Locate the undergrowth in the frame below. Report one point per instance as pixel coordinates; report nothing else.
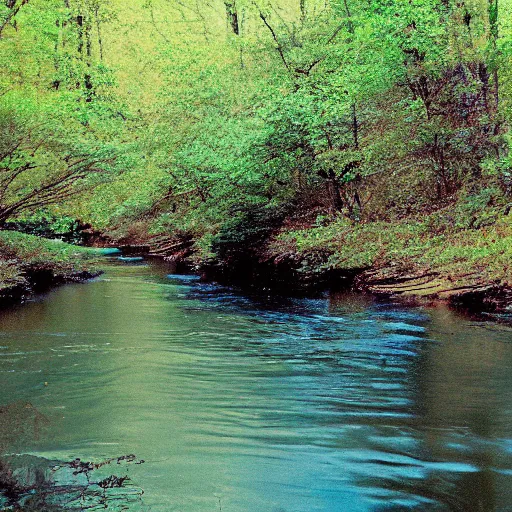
(434, 243)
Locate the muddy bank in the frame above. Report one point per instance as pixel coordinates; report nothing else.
(470, 293)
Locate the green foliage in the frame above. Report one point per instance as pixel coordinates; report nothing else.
(413, 245)
(49, 225)
(33, 249)
(20, 253)
(61, 128)
(247, 228)
(207, 118)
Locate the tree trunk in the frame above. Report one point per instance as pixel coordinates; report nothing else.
(83, 24)
(333, 188)
(494, 34)
(232, 17)
(483, 75)
(87, 78)
(355, 126)
(98, 32)
(302, 5)
(80, 25)
(14, 10)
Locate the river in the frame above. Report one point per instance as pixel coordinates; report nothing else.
(253, 403)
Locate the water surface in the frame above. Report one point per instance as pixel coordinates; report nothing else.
(247, 403)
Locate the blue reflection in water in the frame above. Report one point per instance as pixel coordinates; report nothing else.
(369, 368)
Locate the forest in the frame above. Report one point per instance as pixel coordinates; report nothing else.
(291, 222)
(306, 139)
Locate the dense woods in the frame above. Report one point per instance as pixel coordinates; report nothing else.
(220, 123)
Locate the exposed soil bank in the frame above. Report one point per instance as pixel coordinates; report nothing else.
(474, 296)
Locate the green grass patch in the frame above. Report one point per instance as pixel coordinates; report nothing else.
(20, 252)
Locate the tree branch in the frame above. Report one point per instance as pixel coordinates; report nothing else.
(279, 47)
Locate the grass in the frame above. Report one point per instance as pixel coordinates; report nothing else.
(21, 253)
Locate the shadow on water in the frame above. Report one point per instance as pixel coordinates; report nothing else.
(255, 402)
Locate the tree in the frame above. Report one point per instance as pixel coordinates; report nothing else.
(40, 164)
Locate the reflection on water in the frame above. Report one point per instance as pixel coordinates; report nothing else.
(255, 403)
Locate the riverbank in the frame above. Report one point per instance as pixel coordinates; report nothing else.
(461, 258)
(30, 264)
(424, 259)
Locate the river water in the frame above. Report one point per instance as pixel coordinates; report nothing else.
(247, 403)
